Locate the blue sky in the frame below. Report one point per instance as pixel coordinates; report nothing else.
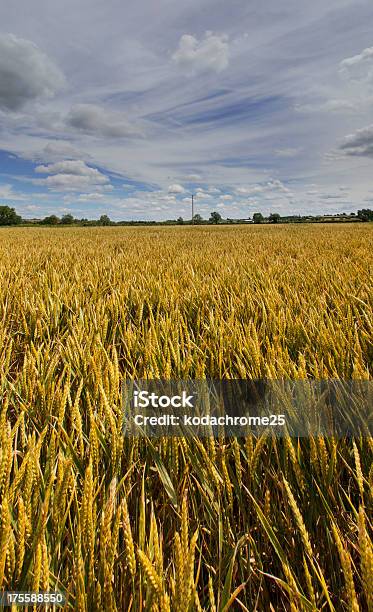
(128, 108)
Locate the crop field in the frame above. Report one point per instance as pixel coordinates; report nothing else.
(116, 523)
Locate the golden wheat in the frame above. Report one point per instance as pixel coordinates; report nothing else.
(119, 523)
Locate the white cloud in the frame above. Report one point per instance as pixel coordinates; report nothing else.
(67, 182)
(91, 197)
(176, 188)
(210, 53)
(273, 189)
(26, 73)
(165, 197)
(97, 121)
(77, 167)
(194, 178)
(203, 195)
(288, 152)
(71, 175)
(214, 190)
(358, 67)
(277, 185)
(55, 150)
(334, 105)
(7, 193)
(226, 197)
(255, 189)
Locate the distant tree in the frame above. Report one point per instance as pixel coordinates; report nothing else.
(365, 214)
(104, 220)
(8, 216)
(258, 218)
(197, 219)
(51, 220)
(274, 218)
(215, 217)
(180, 221)
(67, 219)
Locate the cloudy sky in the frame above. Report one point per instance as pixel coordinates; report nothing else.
(126, 108)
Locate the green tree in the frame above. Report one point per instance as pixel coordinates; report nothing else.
(8, 216)
(104, 220)
(51, 220)
(215, 217)
(258, 218)
(67, 219)
(274, 218)
(197, 219)
(365, 214)
(180, 221)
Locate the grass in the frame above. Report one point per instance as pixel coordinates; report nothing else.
(116, 523)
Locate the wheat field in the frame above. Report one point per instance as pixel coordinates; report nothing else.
(259, 524)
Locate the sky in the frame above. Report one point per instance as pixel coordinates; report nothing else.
(126, 109)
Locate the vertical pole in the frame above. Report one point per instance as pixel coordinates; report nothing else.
(192, 209)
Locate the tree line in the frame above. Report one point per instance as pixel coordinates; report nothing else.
(9, 216)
